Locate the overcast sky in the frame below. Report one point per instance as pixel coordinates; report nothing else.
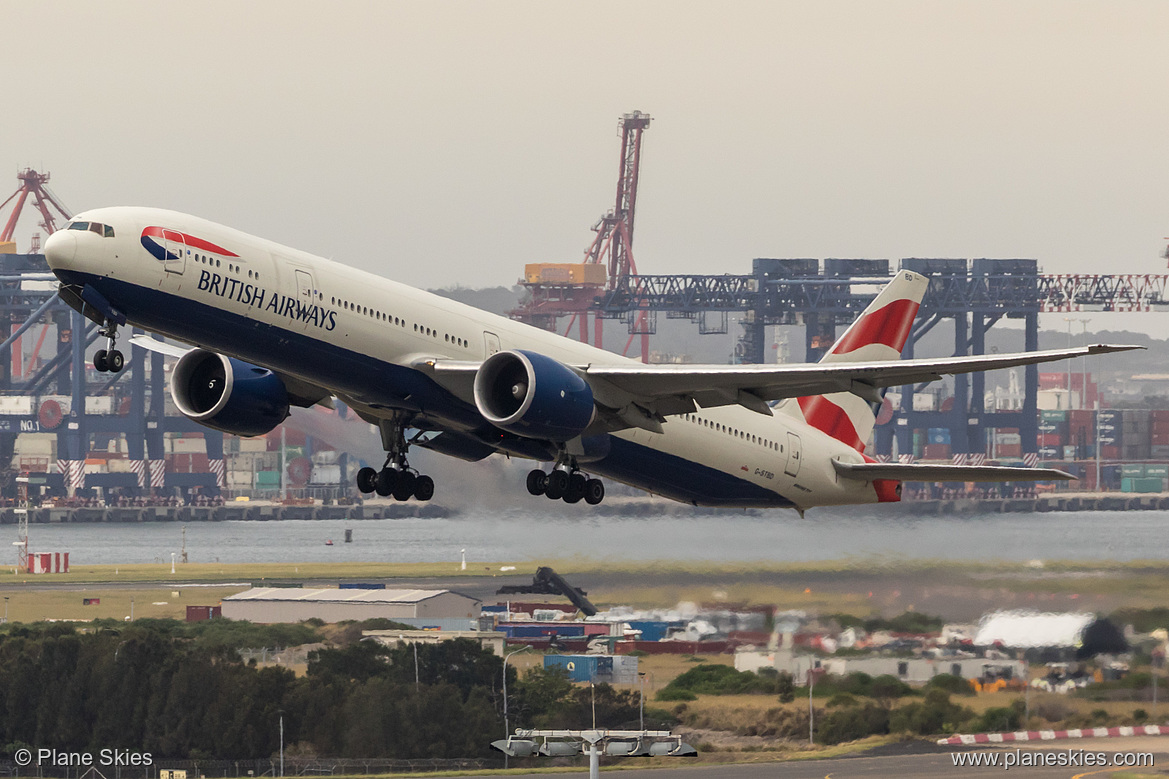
(443, 143)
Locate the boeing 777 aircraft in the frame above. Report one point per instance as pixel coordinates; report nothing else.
(271, 327)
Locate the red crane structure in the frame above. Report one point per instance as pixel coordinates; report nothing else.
(566, 289)
(33, 183)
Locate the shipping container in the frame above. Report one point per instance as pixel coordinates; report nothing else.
(1141, 485)
(202, 613)
(594, 274)
(937, 452)
(1110, 476)
(612, 669)
(1053, 416)
(267, 479)
(1069, 453)
(939, 435)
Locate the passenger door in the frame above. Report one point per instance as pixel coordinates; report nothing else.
(490, 343)
(176, 251)
(792, 468)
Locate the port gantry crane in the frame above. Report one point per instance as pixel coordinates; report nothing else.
(820, 295)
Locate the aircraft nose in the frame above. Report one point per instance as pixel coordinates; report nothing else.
(60, 249)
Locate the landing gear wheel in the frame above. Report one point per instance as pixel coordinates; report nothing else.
(556, 485)
(424, 488)
(405, 486)
(115, 361)
(537, 481)
(100, 361)
(576, 488)
(387, 480)
(367, 480)
(594, 491)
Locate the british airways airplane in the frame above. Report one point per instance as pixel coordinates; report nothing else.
(271, 327)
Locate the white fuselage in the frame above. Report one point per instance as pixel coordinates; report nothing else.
(361, 336)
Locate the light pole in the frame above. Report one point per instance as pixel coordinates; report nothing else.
(1084, 367)
(282, 742)
(506, 724)
(1069, 320)
(5, 609)
(640, 699)
(811, 710)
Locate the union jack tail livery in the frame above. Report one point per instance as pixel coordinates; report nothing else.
(877, 335)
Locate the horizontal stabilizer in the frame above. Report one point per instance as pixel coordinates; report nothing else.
(918, 472)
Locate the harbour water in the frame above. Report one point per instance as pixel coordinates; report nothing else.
(868, 535)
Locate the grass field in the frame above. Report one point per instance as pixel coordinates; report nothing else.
(28, 605)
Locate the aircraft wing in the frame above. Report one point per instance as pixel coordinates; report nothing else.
(919, 472)
(658, 387)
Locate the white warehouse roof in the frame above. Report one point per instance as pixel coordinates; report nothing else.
(1024, 630)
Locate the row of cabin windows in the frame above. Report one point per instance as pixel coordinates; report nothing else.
(213, 262)
(733, 432)
(382, 316)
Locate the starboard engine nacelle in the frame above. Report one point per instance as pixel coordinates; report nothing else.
(227, 394)
(534, 396)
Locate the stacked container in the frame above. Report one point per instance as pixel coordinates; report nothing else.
(1111, 434)
(1159, 434)
(1052, 433)
(1135, 444)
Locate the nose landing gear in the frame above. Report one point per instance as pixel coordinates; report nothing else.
(396, 477)
(566, 483)
(109, 359)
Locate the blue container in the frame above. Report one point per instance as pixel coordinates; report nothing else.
(939, 435)
(652, 630)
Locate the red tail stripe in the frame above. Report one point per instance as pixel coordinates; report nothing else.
(888, 325)
(827, 417)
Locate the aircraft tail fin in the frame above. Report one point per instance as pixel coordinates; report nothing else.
(878, 334)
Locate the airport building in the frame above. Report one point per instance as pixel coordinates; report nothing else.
(421, 608)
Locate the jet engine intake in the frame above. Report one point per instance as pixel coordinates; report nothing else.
(227, 394)
(534, 396)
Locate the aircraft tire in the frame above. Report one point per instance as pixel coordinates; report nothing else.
(556, 485)
(594, 491)
(367, 480)
(537, 481)
(404, 487)
(576, 488)
(424, 488)
(99, 361)
(387, 479)
(115, 361)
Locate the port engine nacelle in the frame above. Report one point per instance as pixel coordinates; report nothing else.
(533, 396)
(227, 394)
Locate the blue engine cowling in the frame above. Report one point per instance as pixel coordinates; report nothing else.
(533, 396)
(227, 394)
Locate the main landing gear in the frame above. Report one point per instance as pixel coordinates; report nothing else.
(396, 477)
(109, 359)
(567, 484)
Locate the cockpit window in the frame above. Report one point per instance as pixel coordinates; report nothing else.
(94, 227)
